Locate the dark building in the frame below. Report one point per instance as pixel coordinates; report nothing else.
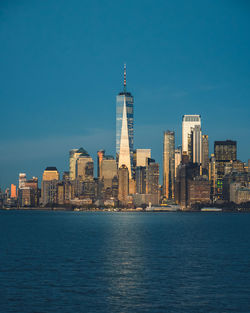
(185, 174)
(198, 191)
(152, 179)
(140, 177)
(224, 152)
(205, 154)
(123, 184)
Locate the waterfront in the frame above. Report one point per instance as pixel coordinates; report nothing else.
(124, 262)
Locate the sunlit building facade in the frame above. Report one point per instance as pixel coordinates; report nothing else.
(188, 123)
(127, 98)
(168, 164)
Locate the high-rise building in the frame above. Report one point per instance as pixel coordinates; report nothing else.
(13, 191)
(33, 184)
(124, 153)
(140, 177)
(196, 142)
(168, 164)
(212, 175)
(73, 156)
(141, 156)
(152, 180)
(108, 171)
(205, 153)
(188, 123)
(100, 155)
(224, 152)
(123, 184)
(127, 98)
(22, 180)
(49, 185)
(177, 160)
(84, 167)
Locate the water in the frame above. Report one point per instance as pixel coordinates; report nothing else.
(124, 262)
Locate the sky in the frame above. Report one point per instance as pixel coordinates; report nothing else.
(62, 66)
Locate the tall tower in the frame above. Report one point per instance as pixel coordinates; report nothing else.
(127, 98)
(168, 164)
(196, 144)
(124, 153)
(188, 123)
(205, 153)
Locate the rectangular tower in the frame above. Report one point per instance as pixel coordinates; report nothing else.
(188, 123)
(168, 164)
(205, 153)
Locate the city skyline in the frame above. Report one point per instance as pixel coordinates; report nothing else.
(50, 107)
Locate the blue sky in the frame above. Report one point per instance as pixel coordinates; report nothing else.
(61, 68)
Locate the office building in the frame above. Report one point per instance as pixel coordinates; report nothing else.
(141, 156)
(22, 180)
(152, 180)
(108, 172)
(123, 184)
(140, 178)
(177, 160)
(205, 153)
(74, 154)
(13, 193)
(196, 142)
(84, 167)
(126, 98)
(33, 185)
(49, 186)
(188, 123)
(100, 155)
(224, 152)
(168, 164)
(124, 153)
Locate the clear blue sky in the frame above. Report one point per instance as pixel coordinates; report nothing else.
(61, 68)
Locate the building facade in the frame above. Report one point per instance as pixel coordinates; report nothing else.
(188, 123)
(168, 164)
(205, 153)
(126, 98)
(49, 186)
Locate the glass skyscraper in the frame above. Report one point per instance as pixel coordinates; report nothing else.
(129, 100)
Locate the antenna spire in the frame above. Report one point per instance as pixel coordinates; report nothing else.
(124, 79)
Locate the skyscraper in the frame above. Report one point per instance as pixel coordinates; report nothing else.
(168, 164)
(13, 193)
(127, 98)
(123, 185)
(49, 185)
(100, 155)
(84, 167)
(224, 152)
(74, 155)
(108, 171)
(205, 153)
(152, 180)
(141, 156)
(196, 139)
(188, 123)
(177, 160)
(22, 180)
(124, 153)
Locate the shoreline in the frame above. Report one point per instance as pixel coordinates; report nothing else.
(119, 210)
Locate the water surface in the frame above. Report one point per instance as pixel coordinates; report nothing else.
(124, 262)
